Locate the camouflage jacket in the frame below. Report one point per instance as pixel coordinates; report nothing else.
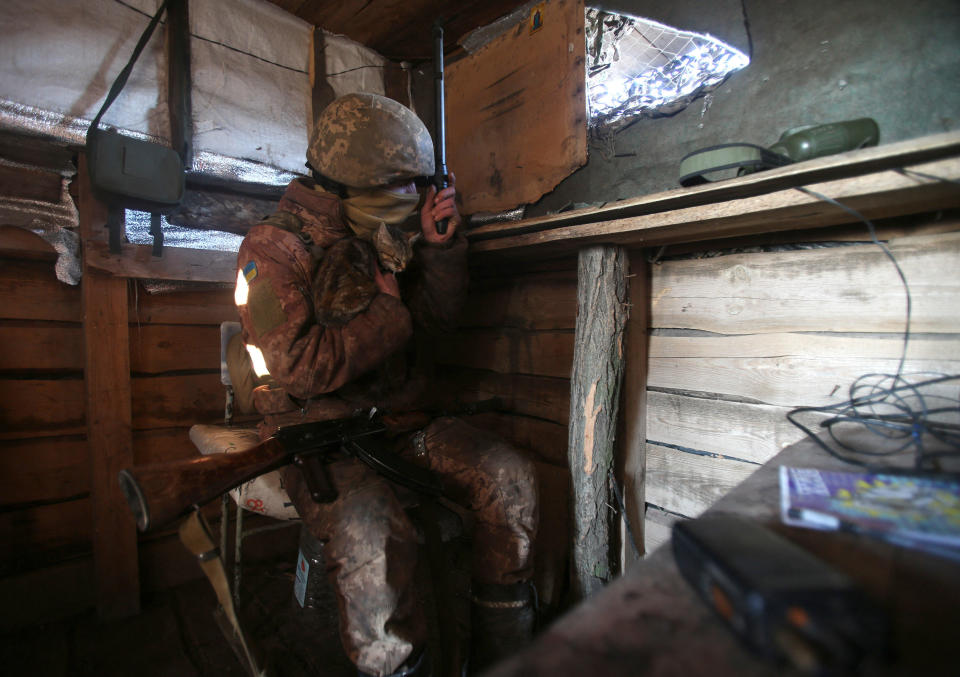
(307, 299)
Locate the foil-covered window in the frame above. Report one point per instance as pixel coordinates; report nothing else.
(637, 67)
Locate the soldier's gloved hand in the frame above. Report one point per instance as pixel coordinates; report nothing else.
(386, 282)
(438, 207)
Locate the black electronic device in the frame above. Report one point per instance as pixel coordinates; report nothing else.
(783, 603)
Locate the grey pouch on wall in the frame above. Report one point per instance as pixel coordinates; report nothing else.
(129, 173)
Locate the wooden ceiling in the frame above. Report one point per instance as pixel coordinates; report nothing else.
(399, 29)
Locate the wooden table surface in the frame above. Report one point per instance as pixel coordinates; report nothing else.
(650, 622)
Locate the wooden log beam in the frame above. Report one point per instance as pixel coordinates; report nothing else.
(109, 419)
(594, 404)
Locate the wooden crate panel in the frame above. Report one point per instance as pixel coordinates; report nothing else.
(517, 114)
(45, 469)
(547, 353)
(840, 289)
(688, 484)
(789, 369)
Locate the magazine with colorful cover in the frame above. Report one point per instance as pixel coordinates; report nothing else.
(912, 510)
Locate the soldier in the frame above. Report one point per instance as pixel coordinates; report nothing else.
(334, 290)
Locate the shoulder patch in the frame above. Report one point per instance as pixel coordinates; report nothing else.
(250, 271)
(266, 311)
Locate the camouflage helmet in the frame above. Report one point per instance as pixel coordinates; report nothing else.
(365, 140)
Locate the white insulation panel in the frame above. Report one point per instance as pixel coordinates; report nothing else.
(249, 64)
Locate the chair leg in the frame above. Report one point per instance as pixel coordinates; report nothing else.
(237, 557)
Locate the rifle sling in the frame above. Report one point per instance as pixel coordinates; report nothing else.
(195, 536)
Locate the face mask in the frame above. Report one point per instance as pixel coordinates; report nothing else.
(375, 215)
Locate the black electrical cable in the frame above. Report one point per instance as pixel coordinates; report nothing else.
(887, 405)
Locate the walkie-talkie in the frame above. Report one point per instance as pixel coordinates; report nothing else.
(440, 142)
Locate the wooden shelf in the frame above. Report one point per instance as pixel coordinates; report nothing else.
(868, 180)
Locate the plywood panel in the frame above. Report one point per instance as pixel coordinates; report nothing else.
(516, 112)
(511, 352)
(688, 484)
(789, 369)
(843, 289)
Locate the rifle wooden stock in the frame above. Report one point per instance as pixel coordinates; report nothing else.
(160, 492)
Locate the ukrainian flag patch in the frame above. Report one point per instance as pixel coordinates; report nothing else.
(250, 271)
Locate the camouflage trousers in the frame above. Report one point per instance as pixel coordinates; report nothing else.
(370, 545)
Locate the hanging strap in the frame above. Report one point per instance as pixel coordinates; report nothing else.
(121, 80)
(195, 535)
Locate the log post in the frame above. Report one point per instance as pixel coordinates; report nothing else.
(106, 375)
(594, 402)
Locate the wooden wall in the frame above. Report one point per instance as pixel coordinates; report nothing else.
(738, 340)
(516, 342)
(45, 467)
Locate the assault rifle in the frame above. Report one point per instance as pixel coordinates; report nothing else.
(160, 492)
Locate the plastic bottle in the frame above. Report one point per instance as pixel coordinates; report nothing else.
(309, 576)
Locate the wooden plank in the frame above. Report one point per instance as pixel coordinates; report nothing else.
(211, 306)
(41, 407)
(751, 432)
(175, 401)
(842, 289)
(658, 526)
(158, 348)
(29, 290)
(108, 416)
(819, 170)
(517, 114)
(40, 536)
(67, 590)
(595, 386)
(137, 261)
(40, 346)
(878, 195)
(538, 396)
(789, 370)
(631, 455)
(30, 183)
(546, 439)
(17, 242)
(534, 302)
(45, 470)
(548, 353)
(688, 484)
